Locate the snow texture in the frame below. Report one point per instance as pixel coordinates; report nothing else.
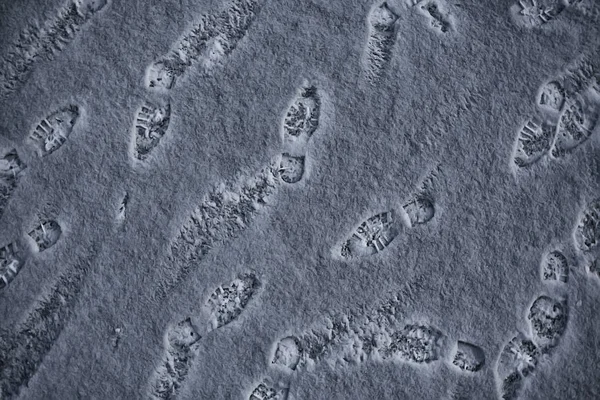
(257, 199)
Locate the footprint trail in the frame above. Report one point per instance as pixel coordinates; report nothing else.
(231, 207)
(182, 347)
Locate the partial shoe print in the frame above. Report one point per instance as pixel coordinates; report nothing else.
(208, 43)
(54, 130)
(181, 351)
(122, 210)
(548, 319)
(533, 142)
(551, 96)
(438, 18)
(593, 268)
(11, 168)
(518, 358)
(302, 117)
(575, 126)
(418, 211)
(287, 353)
(414, 343)
(44, 41)
(299, 124)
(468, 357)
(268, 390)
(151, 124)
(12, 260)
(536, 13)
(46, 234)
(291, 168)
(227, 302)
(381, 23)
(587, 230)
(555, 267)
(33, 338)
(579, 75)
(372, 236)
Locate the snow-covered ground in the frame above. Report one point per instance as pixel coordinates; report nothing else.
(258, 199)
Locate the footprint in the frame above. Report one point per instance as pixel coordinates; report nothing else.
(381, 38)
(376, 233)
(288, 353)
(511, 386)
(350, 340)
(555, 267)
(267, 390)
(151, 124)
(299, 124)
(548, 319)
(226, 303)
(11, 262)
(210, 42)
(438, 19)
(232, 25)
(53, 131)
(196, 41)
(11, 167)
(414, 343)
(535, 13)
(36, 335)
(181, 351)
(302, 117)
(418, 211)
(46, 234)
(551, 96)
(579, 75)
(468, 357)
(575, 126)
(533, 142)
(376, 334)
(163, 73)
(45, 40)
(291, 169)
(372, 236)
(587, 231)
(593, 268)
(518, 358)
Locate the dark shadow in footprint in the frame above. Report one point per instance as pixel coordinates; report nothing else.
(46, 235)
(372, 236)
